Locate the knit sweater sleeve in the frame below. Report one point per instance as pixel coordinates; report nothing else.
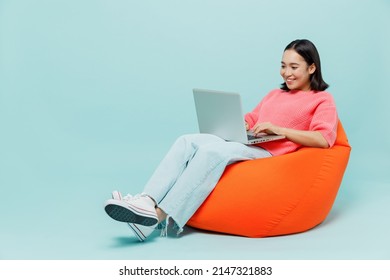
(252, 117)
(325, 119)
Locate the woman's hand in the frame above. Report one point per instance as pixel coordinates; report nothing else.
(267, 128)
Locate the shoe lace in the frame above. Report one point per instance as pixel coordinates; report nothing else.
(130, 197)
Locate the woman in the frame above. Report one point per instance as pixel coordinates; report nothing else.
(300, 110)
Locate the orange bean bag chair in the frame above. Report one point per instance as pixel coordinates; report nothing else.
(276, 196)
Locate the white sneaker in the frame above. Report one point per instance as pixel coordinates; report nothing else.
(141, 232)
(139, 209)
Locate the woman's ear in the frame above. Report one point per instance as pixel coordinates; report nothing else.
(312, 68)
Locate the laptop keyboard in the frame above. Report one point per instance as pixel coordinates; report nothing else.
(251, 137)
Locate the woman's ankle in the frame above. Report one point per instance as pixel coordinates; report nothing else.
(161, 215)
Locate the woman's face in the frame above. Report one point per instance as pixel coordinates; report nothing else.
(295, 71)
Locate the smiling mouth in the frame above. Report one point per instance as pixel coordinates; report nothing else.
(289, 81)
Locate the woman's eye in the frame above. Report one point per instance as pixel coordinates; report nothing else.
(294, 68)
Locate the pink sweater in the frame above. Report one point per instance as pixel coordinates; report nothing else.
(300, 110)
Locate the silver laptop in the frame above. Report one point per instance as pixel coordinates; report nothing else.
(220, 113)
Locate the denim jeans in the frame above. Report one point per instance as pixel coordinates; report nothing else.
(191, 169)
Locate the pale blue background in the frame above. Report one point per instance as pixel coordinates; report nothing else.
(82, 81)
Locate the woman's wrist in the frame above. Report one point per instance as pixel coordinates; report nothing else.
(281, 131)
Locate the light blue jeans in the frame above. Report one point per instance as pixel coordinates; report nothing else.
(191, 169)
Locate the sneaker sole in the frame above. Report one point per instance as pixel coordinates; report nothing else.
(129, 215)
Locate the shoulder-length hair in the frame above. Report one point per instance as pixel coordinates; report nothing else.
(309, 52)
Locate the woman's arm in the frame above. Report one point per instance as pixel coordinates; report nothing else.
(302, 137)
